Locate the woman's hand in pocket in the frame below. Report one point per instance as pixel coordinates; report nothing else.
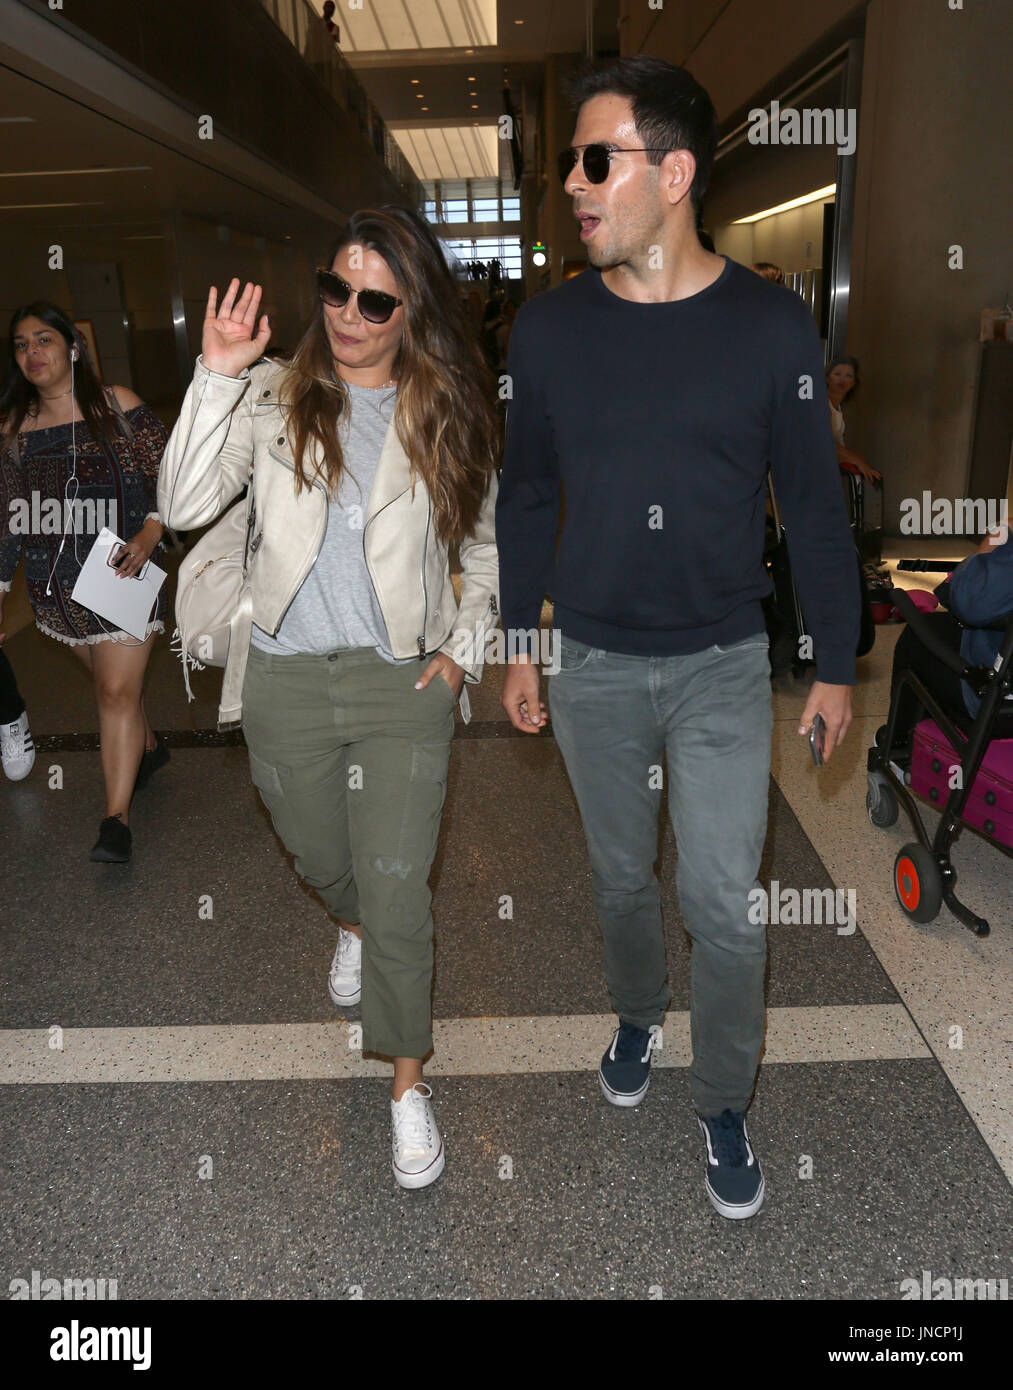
(441, 667)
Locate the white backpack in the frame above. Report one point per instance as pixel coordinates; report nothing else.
(214, 607)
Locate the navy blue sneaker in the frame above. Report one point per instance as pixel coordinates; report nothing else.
(734, 1181)
(625, 1071)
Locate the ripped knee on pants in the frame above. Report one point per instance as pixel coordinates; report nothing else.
(391, 867)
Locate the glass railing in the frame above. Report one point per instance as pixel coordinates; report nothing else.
(261, 92)
(306, 31)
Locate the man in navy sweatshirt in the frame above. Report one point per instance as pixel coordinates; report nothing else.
(654, 389)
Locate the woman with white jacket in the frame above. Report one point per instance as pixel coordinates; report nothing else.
(370, 453)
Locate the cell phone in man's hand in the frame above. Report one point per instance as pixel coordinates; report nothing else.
(817, 734)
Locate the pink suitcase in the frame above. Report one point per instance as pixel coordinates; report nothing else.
(989, 808)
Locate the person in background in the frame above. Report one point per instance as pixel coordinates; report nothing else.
(321, 37)
(65, 438)
(16, 747)
(981, 598)
(492, 321)
(370, 454)
(842, 380)
(769, 271)
(328, 16)
(979, 603)
(507, 316)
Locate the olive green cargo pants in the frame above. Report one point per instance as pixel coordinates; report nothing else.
(351, 761)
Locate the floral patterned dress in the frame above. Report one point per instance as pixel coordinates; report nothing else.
(116, 487)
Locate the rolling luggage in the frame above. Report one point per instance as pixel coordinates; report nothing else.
(783, 609)
(989, 808)
(981, 798)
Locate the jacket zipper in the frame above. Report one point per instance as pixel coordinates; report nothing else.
(425, 591)
(315, 483)
(365, 557)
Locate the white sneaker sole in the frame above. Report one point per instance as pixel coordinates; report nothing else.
(343, 1001)
(619, 1097)
(740, 1212)
(423, 1179)
(15, 774)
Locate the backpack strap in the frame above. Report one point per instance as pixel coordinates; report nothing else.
(240, 630)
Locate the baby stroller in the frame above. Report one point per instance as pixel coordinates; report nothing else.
(978, 797)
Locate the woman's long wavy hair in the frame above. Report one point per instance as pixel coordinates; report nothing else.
(20, 398)
(446, 418)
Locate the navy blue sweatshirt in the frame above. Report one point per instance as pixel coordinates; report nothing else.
(981, 597)
(659, 420)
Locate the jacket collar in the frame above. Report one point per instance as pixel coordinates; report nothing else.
(393, 474)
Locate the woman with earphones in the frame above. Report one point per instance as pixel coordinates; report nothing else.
(65, 442)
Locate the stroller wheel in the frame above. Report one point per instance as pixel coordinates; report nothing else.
(918, 883)
(881, 803)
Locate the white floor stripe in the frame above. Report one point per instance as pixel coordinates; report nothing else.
(464, 1047)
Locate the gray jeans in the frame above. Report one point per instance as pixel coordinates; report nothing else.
(618, 720)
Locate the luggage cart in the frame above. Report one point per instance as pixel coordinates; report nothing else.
(924, 876)
(783, 609)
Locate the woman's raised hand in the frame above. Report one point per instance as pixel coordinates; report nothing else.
(232, 339)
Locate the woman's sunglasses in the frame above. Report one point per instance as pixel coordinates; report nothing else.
(374, 305)
(597, 160)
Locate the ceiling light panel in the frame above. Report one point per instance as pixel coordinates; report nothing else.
(450, 152)
(396, 25)
(826, 192)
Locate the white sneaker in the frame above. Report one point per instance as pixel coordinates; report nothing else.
(344, 983)
(17, 749)
(418, 1149)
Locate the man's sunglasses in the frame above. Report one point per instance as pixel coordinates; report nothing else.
(597, 160)
(374, 305)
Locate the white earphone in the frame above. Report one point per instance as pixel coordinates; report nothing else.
(67, 500)
(69, 504)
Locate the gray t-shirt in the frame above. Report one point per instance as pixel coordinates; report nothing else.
(336, 605)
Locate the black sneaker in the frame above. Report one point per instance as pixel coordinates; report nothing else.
(625, 1071)
(151, 761)
(734, 1181)
(113, 843)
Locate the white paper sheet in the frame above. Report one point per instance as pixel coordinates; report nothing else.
(125, 604)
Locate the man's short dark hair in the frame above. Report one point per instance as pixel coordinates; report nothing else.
(671, 110)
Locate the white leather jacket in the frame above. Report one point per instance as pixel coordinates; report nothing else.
(231, 429)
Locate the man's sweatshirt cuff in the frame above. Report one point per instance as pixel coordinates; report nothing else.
(518, 628)
(836, 666)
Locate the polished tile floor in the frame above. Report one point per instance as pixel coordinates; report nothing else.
(184, 1110)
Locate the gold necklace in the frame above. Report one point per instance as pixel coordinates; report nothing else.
(382, 387)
